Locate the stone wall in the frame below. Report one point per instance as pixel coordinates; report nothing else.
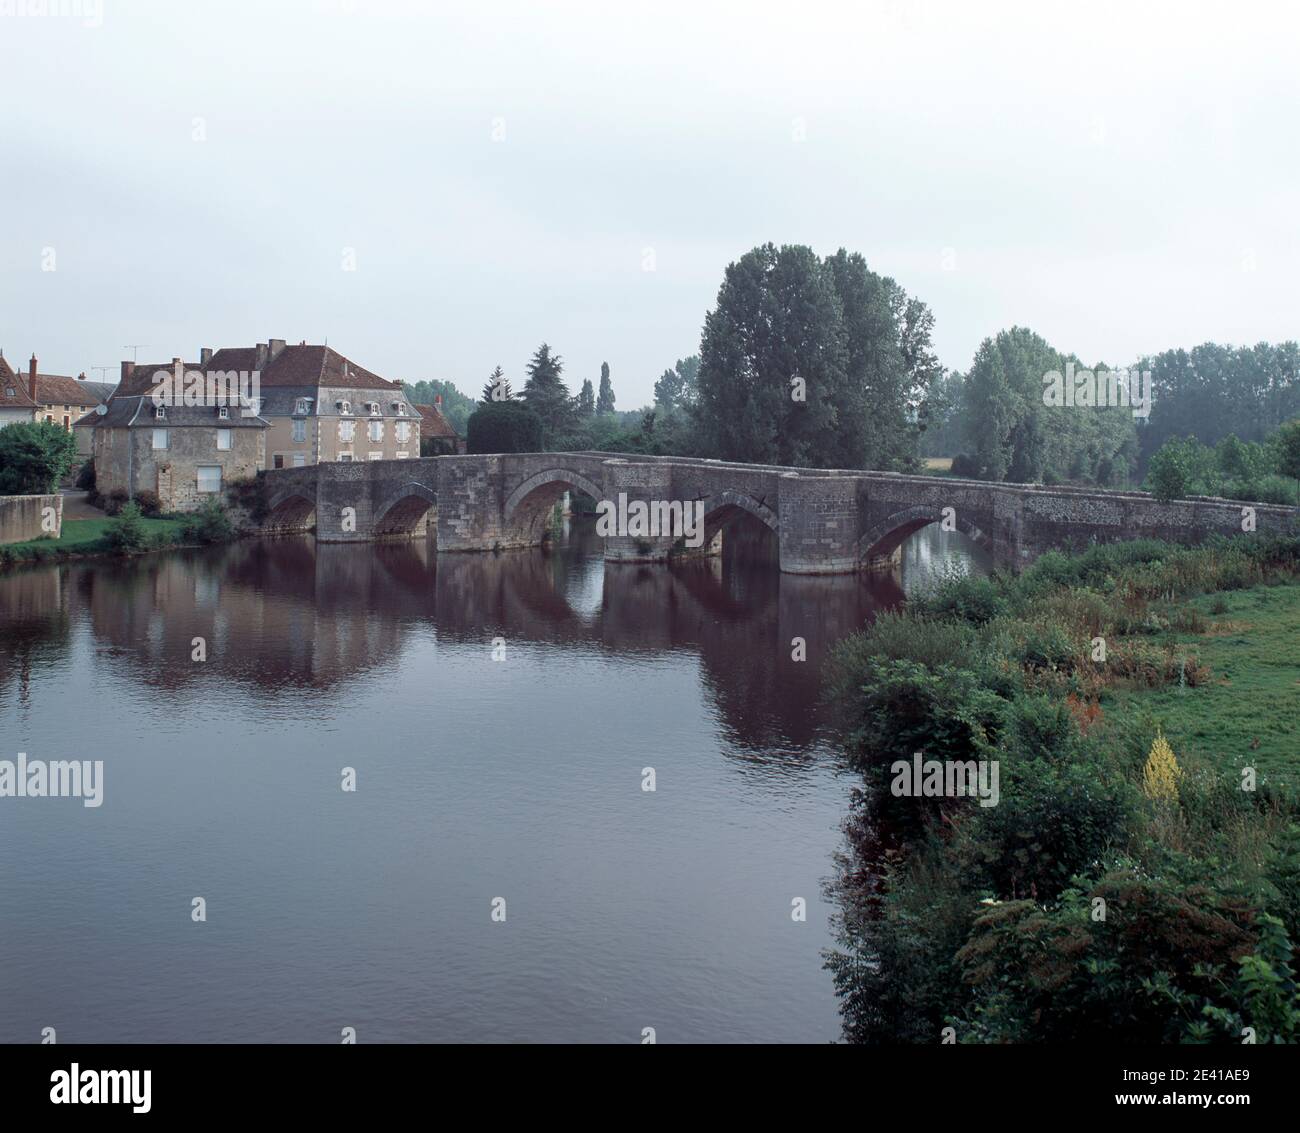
(30, 517)
(826, 521)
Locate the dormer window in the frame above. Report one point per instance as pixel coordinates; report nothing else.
(374, 409)
(345, 407)
(303, 405)
(401, 409)
(160, 411)
(223, 412)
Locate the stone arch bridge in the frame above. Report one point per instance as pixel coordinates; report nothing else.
(825, 521)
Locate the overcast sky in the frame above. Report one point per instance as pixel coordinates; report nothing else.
(1121, 178)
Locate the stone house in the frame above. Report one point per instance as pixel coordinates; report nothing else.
(187, 454)
(323, 407)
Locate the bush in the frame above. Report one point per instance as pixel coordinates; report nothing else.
(149, 503)
(504, 426)
(210, 524)
(86, 477)
(127, 533)
(965, 467)
(34, 458)
(115, 501)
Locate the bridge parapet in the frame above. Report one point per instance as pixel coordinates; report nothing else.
(826, 521)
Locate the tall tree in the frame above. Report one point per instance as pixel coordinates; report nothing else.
(772, 360)
(497, 388)
(586, 399)
(605, 398)
(546, 393)
(677, 387)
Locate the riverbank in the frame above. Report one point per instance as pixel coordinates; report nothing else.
(1136, 877)
(85, 538)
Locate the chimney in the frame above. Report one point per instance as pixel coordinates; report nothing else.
(31, 378)
(128, 368)
(205, 356)
(259, 359)
(437, 401)
(274, 346)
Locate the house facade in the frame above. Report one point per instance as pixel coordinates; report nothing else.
(323, 407)
(187, 454)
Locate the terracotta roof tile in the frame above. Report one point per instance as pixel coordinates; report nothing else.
(433, 423)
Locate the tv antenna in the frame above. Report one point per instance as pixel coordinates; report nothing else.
(134, 347)
(103, 370)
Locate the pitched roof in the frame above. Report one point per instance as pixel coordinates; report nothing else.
(19, 398)
(302, 365)
(55, 389)
(433, 423)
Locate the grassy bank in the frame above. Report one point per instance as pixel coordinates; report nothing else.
(125, 534)
(1122, 886)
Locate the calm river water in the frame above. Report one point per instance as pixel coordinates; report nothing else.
(476, 779)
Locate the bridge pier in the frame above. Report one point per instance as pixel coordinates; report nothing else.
(819, 523)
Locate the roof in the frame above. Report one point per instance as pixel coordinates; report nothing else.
(102, 391)
(434, 424)
(20, 398)
(302, 365)
(55, 389)
(137, 411)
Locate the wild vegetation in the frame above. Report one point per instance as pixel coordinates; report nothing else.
(1139, 878)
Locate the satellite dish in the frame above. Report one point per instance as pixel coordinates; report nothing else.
(101, 409)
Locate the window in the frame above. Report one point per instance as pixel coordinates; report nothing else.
(160, 438)
(209, 477)
(300, 460)
(403, 455)
(67, 423)
(9, 391)
(376, 456)
(345, 458)
(224, 440)
(345, 407)
(277, 462)
(49, 418)
(403, 431)
(223, 412)
(299, 431)
(401, 409)
(376, 430)
(303, 405)
(374, 408)
(160, 411)
(347, 431)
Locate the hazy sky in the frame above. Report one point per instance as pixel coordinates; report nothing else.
(1121, 178)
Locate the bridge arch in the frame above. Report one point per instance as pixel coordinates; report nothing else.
(528, 507)
(882, 539)
(289, 510)
(404, 508)
(722, 508)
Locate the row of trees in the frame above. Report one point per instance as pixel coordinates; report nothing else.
(1268, 470)
(805, 361)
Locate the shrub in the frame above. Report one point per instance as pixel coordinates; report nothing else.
(149, 503)
(115, 501)
(504, 426)
(34, 457)
(1170, 470)
(965, 467)
(86, 477)
(210, 524)
(127, 533)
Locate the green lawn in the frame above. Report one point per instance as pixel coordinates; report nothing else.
(83, 534)
(1249, 712)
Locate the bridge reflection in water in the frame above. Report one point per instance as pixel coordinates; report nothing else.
(476, 779)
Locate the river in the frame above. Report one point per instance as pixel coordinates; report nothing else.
(502, 716)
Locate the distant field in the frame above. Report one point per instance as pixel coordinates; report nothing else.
(938, 463)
